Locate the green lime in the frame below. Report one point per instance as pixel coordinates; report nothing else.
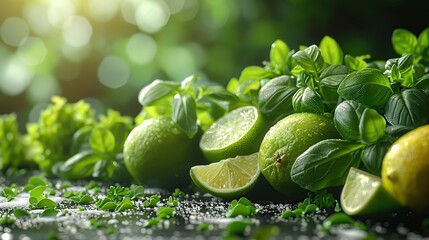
(159, 154)
(239, 132)
(405, 169)
(363, 194)
(228, 178)
(285, 141)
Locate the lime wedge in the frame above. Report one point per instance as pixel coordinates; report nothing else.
(229, 178)
(239, 132)
(363, 194)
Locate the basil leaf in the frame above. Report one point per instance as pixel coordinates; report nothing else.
(278, 54)
(410, 108)
(372, 157)
(253, 73)
(275, 97)
(371, 126)
(333, 75)
(403, 41)
(156, 90)
(405, 67)
(397, 130)
(330, 79)
(356, 63)
(102, 140)
(219, 93)
(310, 59)
(81, 139)
(331, 51)
(347, 117)
(423, 41)
(423, 83)
(79, 166)
(325, 164)
(184, 114)
(368, 86)
(307, 99)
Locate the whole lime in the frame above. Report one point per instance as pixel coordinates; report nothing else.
(405, 169)
(285, 141)
(158, 154)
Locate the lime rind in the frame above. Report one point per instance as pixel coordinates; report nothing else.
(363, 194)
(228, 178)
(239, 132)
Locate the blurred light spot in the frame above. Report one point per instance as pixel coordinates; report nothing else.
(113, 72)
(14, 30)
(175, 6)
(42, 88)
(141, 48)
(15, 77)
(178, 62)
(37, 19)
(75, 54)
(77, 31)
(59, 11)
(128, 10)
(102, 11)
(67, 70)
(189, 10)
(32, 51)
(152, 15)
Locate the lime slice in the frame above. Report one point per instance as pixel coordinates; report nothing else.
(229, 178)
(239, 132)
(363, 194)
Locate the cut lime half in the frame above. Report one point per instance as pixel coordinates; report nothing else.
(229, 178)
(239, 132)
(363, 194)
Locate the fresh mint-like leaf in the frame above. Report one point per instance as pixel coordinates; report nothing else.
(184, 114)
(306, 99)
(410, 108)
(102, 140)
(50, 212)
(356, 63)
(325, 164)
(278, 54)
(79, 166)
(347, 117)
(310, 59)
(371, 126)
(331, 51)
(165, 212)
(156, 90)
(275, 97)
(368, 86)
(20, 213)
(403, 41)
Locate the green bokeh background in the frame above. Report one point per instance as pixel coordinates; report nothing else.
(90, 49)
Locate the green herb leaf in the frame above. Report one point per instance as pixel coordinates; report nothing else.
(102, 140)
(403, 41)
(372, 157)
(184, 114)
(20, 213)
(368, 86)
(410, 108)
(310, 59)
(347, 117)
(356, 63)
(49, 212)
(275, 97)
(371, 126)
(165, 212)
(46, 203)
(306, 99)
(325, 164)
(331, 51)
(80, 166)
(156, 90)
(278, 54)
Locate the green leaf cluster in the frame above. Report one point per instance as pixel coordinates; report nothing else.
(190, 104)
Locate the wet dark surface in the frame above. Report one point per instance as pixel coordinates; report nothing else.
(194, 210)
